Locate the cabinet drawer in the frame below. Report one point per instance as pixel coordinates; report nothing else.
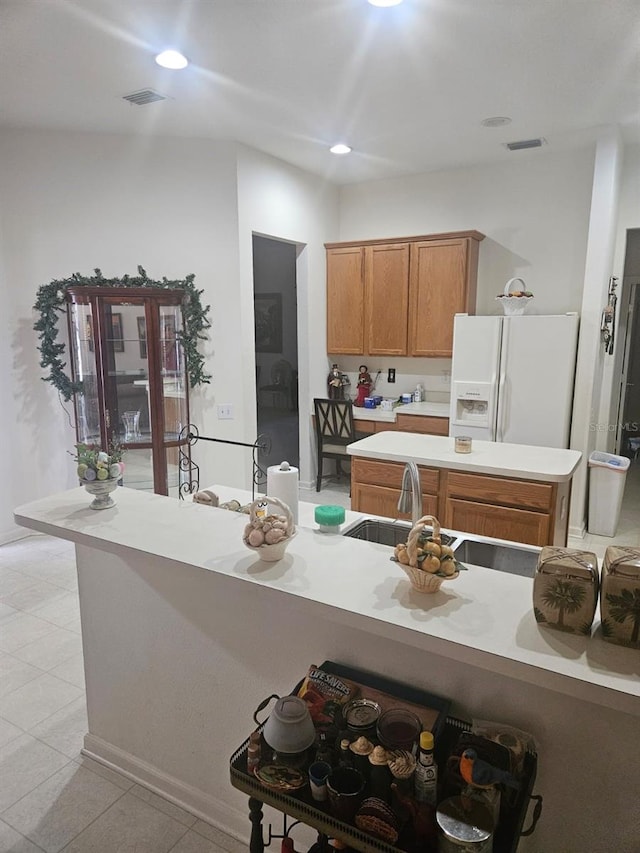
(499, 522)
(390, 474)
(426, 424)
(500, 490)
(381, 500)
(365, 427)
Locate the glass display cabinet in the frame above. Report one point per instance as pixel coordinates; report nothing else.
(126, 351)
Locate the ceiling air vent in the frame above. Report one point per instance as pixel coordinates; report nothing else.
(145, 96)
(525, 143)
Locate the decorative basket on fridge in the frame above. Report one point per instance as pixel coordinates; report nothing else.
(515, 301)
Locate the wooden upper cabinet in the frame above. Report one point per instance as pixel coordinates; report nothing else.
(386, 298)
(443, 283)
(398, 296)
(345, 300)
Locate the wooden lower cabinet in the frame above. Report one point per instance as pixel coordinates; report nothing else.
(532, 512)
(381, 500)
(375, 488)
(425, 424)
(499, 522)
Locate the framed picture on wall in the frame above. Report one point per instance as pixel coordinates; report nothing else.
(117, 337)
(169, 343)
(268, 322)
(142, 335)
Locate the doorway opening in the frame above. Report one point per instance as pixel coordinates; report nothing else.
(628, 426)
(276, 349)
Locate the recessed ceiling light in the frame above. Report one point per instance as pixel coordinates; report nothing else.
(495, 121)
(385, 2)
(340, 148)
(172, 59)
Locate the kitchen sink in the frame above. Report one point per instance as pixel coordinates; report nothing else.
(515, 559)
(474, 551)
(385, 532)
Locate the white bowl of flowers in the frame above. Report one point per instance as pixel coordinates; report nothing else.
(99, 472)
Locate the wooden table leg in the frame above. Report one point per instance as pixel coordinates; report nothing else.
(256, 844)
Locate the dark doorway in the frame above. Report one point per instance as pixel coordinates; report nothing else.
(276, 345)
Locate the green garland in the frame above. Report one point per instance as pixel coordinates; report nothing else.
(51, 302)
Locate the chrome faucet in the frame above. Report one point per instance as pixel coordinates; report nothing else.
(410, 493)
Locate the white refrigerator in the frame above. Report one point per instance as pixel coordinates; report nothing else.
(512, 378)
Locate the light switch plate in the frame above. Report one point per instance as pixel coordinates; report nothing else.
(225, 411)
(391, 375)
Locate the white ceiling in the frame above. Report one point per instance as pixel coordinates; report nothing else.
(406, 87)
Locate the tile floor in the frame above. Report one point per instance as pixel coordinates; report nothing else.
(51, 798)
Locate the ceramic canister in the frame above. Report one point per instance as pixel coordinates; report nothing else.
(565, 589)
(620, 596)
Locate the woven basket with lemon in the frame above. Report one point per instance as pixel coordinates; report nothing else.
(425, 559)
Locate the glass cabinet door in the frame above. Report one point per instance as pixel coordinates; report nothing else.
(126, 351)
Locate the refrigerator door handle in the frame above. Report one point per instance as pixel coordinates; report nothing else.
(493, 403)
(502, 405)
(502, 383)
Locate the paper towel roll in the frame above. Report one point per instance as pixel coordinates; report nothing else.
(282, 483)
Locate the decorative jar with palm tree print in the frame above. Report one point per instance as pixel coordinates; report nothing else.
(620, 596)
(565, 589)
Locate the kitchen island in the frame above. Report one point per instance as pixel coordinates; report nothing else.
(185, 631)
(509, 491)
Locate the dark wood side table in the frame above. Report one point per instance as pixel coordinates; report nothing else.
(300, 806)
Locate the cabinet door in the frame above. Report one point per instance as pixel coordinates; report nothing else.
(364, 427)
(381, 500)
(499, 522)
(522, 494)
(426, 424)
(379, 473)
(345, 300)
(443, 277)
(387, 298)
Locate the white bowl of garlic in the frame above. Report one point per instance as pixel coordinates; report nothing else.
(269, 535)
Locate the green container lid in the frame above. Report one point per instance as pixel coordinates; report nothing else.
(329, 515)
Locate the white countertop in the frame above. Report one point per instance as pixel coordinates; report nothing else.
(487, 457)
(484, 618)
(434, 410)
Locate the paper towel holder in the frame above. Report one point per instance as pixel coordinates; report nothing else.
(186, 464)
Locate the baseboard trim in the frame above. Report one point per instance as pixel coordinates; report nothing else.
(16, 535)
(578, 531)
(193, 800)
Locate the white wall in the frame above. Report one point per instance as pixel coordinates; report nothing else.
(589, 391)
(533, 209)
(73, 202)
(277, 200)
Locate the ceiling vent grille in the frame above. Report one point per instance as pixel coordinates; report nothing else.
(145, 96)
(525, 143)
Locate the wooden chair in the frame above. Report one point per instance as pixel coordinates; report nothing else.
(334, 431)
(280, 385)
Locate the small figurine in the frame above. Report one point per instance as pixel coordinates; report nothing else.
(481, 774)
(364, 385)
(334, 381)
